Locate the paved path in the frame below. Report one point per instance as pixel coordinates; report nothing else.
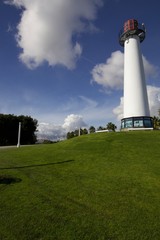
(15, 146)
(3, 147)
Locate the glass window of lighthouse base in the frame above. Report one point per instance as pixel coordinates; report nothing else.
(137, 122)
(128, 123)
(148, 122)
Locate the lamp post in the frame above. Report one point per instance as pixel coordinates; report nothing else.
(19, 135)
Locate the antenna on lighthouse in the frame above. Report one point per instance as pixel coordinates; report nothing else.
(136, 113)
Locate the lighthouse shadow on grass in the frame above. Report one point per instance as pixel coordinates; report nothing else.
(38, 165)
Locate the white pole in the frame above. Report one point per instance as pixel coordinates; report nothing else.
(19, 135)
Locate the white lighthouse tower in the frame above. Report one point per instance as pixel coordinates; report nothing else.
(136, 108)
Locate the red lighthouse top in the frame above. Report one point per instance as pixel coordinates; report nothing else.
(131, 27)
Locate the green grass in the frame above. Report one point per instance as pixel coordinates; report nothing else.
(102, 186)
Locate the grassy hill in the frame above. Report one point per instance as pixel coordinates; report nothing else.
(103, 186)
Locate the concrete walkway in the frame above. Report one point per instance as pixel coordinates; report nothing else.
(3, 147)
(15, 146)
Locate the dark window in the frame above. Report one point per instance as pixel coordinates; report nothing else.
(147, 122)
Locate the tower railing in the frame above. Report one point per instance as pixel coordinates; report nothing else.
(138, 30)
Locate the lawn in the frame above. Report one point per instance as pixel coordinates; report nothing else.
(103, 186)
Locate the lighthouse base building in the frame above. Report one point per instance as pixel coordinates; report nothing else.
(137, 123)
(136, 108)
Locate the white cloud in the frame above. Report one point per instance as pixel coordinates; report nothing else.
(50, 131)
(110, 74)
(47, 27)
(153, 99)
(55, 132)
(150, 69)
(73, 122)
(118, 111)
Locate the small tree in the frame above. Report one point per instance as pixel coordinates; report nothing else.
(70, 135)
(76, 132)
(100, 128)
(156, 122)
(111, 126)
(92, 129)
(84, 131)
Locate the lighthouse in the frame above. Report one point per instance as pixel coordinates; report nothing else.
(136, 115)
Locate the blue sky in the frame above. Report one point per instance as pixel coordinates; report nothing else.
(61, 62)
